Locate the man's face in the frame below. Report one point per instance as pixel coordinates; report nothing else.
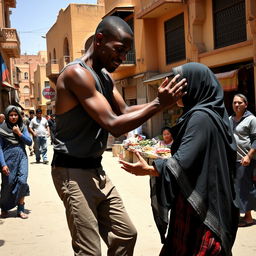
(39, 115)
(239, 105)
(2, 117)
(113, 51)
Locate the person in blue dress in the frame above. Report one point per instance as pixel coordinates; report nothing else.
(13, 162)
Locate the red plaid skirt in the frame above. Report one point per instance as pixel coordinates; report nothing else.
(187, 235)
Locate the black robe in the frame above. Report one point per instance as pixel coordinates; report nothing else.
(203, 163)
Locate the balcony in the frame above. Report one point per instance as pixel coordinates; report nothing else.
(130, 58)
(156, 8)
(11, 3)
(112, 4)
(52, 69)
(10, 42)
(64, 61)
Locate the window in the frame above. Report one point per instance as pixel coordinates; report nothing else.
(127, 14)
(229, 22)
(26, 75)
(66, 51)
(26, 90)
(46, 84)
(175, 39)
(27, 103)
(54, 61)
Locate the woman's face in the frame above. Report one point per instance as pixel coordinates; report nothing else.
(239, 105)
(13, 117)
(167, 136)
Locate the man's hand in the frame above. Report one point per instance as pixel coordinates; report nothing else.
(170, 92)
(5, 170)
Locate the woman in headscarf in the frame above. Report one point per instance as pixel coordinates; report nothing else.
(14, 162)
(196, 183)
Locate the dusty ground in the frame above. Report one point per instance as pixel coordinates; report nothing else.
(45, 233)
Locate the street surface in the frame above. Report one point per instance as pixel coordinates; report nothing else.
(45, 233)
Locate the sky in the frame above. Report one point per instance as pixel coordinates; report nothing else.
(33, 18)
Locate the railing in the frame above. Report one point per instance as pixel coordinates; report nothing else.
(130, 58)
(53, 61)
(11, 3)
(63, 61)
(52, 68)
(9, 35)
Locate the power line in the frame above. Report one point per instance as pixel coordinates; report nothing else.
(33, 31)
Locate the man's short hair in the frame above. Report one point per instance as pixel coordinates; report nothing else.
(31, 112)
(39, 111)
(111, 25)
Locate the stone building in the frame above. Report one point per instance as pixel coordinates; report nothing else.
(67, 37)
(218, 33)
(9, 48)
(23, 69)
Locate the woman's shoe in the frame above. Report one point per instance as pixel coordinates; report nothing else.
(20, 211)
(22, 215)
(4, 214)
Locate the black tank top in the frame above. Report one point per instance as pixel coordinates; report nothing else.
(77, 134)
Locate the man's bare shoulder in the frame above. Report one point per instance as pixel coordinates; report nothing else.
(74, 82)
(75, 75)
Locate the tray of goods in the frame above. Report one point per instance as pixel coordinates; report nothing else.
(163, 152)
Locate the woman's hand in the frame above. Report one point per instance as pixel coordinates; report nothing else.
(16, 130)
(5, 170)
(140, 168)
(245, 161)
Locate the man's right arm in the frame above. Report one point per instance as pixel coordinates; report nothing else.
(81, 84)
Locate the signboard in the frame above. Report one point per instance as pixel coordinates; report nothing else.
(49, 93)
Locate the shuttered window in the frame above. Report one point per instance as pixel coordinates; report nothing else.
(175, 39)
(229, 22)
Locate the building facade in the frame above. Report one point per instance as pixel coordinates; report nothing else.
(9, 48)
(67, 38)
(218, 33)
(23, 70)
(41, 85)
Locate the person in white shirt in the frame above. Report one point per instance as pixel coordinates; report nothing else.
(39, 128)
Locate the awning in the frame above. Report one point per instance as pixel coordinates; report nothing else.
(6, 84)
(158, 77)
(228, 80)
(122, 12)
(15, 103)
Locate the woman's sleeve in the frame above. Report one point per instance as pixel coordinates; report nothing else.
(2, 161)
(25, 137)
(253, 133)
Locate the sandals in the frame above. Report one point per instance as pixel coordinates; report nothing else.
(4, 214)
(20, 211)
(244, 223)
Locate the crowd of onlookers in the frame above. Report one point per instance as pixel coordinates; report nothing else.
(18, 130)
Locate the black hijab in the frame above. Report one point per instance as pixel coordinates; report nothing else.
(6, 127)
(203, 93)
(204, 157)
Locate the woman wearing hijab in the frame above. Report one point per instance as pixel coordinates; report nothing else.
(14, 162)
(196, 183)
